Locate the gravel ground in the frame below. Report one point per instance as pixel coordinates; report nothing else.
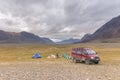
(61, 70)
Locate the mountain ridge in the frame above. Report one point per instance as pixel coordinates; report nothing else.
(22, 37)
(110, 30)
(69, 41)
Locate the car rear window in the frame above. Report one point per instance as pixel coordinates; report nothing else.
(79, 52)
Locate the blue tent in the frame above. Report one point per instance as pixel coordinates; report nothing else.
(36, 55)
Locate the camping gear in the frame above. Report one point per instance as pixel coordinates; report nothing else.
(52, 56)
(36, 55)
(57, 56)
(65, 55)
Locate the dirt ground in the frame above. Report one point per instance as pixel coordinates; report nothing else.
(59, 70)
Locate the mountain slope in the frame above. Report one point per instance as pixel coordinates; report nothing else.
(110, 30)
(69, 41)
(85, 37)
(22, 37)
(47, 40)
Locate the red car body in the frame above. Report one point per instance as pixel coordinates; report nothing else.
(86, 55)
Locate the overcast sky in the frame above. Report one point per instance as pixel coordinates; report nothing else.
(57, 19)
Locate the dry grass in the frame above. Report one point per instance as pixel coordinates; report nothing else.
(24, 52)
(16, 63)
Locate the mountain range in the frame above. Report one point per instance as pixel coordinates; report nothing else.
(69, 41)
(109, 32)
(22, 37)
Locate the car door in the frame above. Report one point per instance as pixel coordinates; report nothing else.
(73, 53)
(83, 55)
(79, 54)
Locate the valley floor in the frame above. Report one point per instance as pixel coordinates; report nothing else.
(59, 70)
(16, 63)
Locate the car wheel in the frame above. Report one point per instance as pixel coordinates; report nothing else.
(96, 62)
(87, 61)
(74, 60)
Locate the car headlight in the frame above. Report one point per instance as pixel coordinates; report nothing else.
(92, 57)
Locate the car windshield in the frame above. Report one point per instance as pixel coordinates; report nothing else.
(89, 51)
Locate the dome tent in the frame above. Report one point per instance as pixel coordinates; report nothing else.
(36, 55)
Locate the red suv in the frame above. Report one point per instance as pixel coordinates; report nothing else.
(86, 55)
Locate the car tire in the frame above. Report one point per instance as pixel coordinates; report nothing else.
(87, 61)
(74, 60)
(96, 62)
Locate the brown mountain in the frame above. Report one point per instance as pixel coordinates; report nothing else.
(22, 37)
(109, 32)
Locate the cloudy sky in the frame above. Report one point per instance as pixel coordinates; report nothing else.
(57, 19)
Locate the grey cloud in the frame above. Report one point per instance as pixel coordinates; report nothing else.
(79, 12)
(89, 15)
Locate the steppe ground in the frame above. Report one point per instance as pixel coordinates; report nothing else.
(16, 62)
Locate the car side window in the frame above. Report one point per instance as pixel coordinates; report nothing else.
(79, 52)
(84, 51)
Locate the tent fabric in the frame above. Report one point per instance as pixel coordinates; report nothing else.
(36, 55)
(65, 55)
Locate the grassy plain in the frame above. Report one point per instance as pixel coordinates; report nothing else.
(23, 52)
(16, 62)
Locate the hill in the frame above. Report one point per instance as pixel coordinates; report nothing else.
(109, 32)
(22, 37)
